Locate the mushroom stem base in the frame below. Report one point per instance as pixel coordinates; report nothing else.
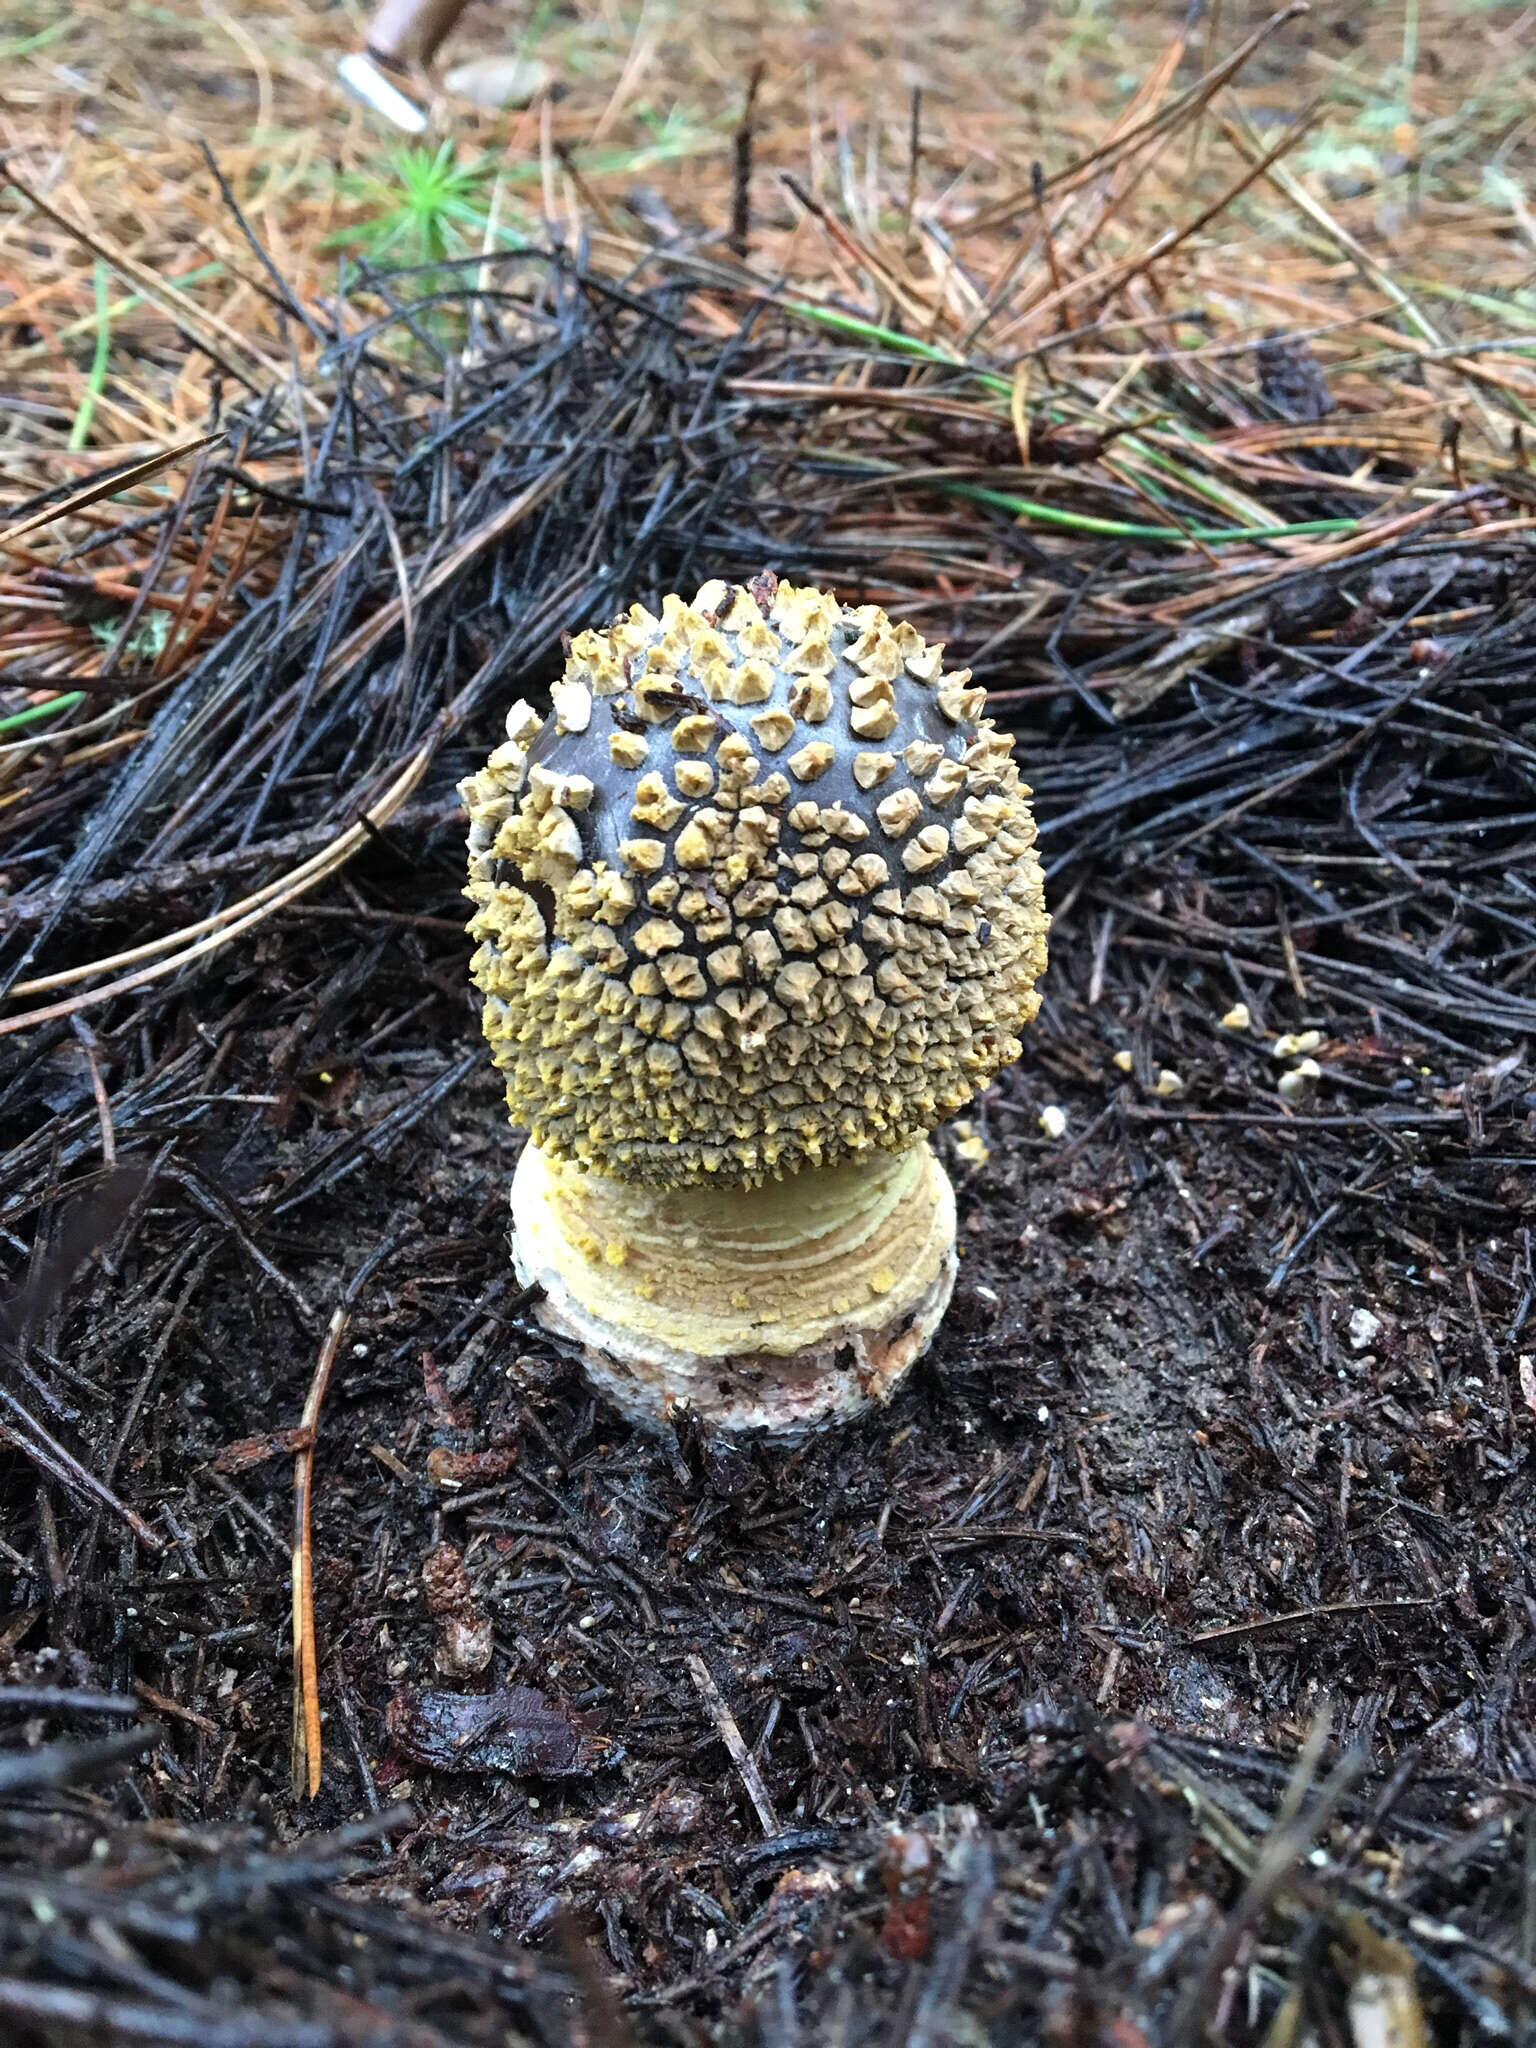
(781, 1307)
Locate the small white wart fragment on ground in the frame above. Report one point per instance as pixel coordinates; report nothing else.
(1364, 1328)
(1295, 1082)
(498, 81)
(1295, 1042)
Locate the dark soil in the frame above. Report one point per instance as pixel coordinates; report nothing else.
(1161, 1657)
(1134, 1480)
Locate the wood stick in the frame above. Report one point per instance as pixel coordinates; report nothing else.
(730, 1735)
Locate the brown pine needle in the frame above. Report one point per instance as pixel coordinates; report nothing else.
(110, 485)
(307, 1757)
(306, 1679)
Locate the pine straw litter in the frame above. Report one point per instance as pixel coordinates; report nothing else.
(1160, 1661)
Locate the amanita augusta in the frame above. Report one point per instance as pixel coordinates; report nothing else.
(757, 907)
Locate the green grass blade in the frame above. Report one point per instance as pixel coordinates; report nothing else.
(80, 432)
(1124, 529)
(23, 46)
(906, 344)
(34, 712)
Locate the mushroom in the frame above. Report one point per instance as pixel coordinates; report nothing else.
(757, 907)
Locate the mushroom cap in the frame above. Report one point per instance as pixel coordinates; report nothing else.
(760, 894)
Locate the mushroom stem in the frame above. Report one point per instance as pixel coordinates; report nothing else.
(781, 1306)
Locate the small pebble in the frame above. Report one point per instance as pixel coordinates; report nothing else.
(1237, 1018)
(1053, 1120)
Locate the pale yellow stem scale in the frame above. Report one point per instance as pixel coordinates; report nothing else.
(780, 1306)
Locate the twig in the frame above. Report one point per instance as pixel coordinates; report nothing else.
(28, 1435)
(1264, 1623)
(66, 1763)
(730, 1735)
(1269, 1871)
(61, 2012)
(741, 178)
(140, 887)
(64, 1699)
(90, 1045)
